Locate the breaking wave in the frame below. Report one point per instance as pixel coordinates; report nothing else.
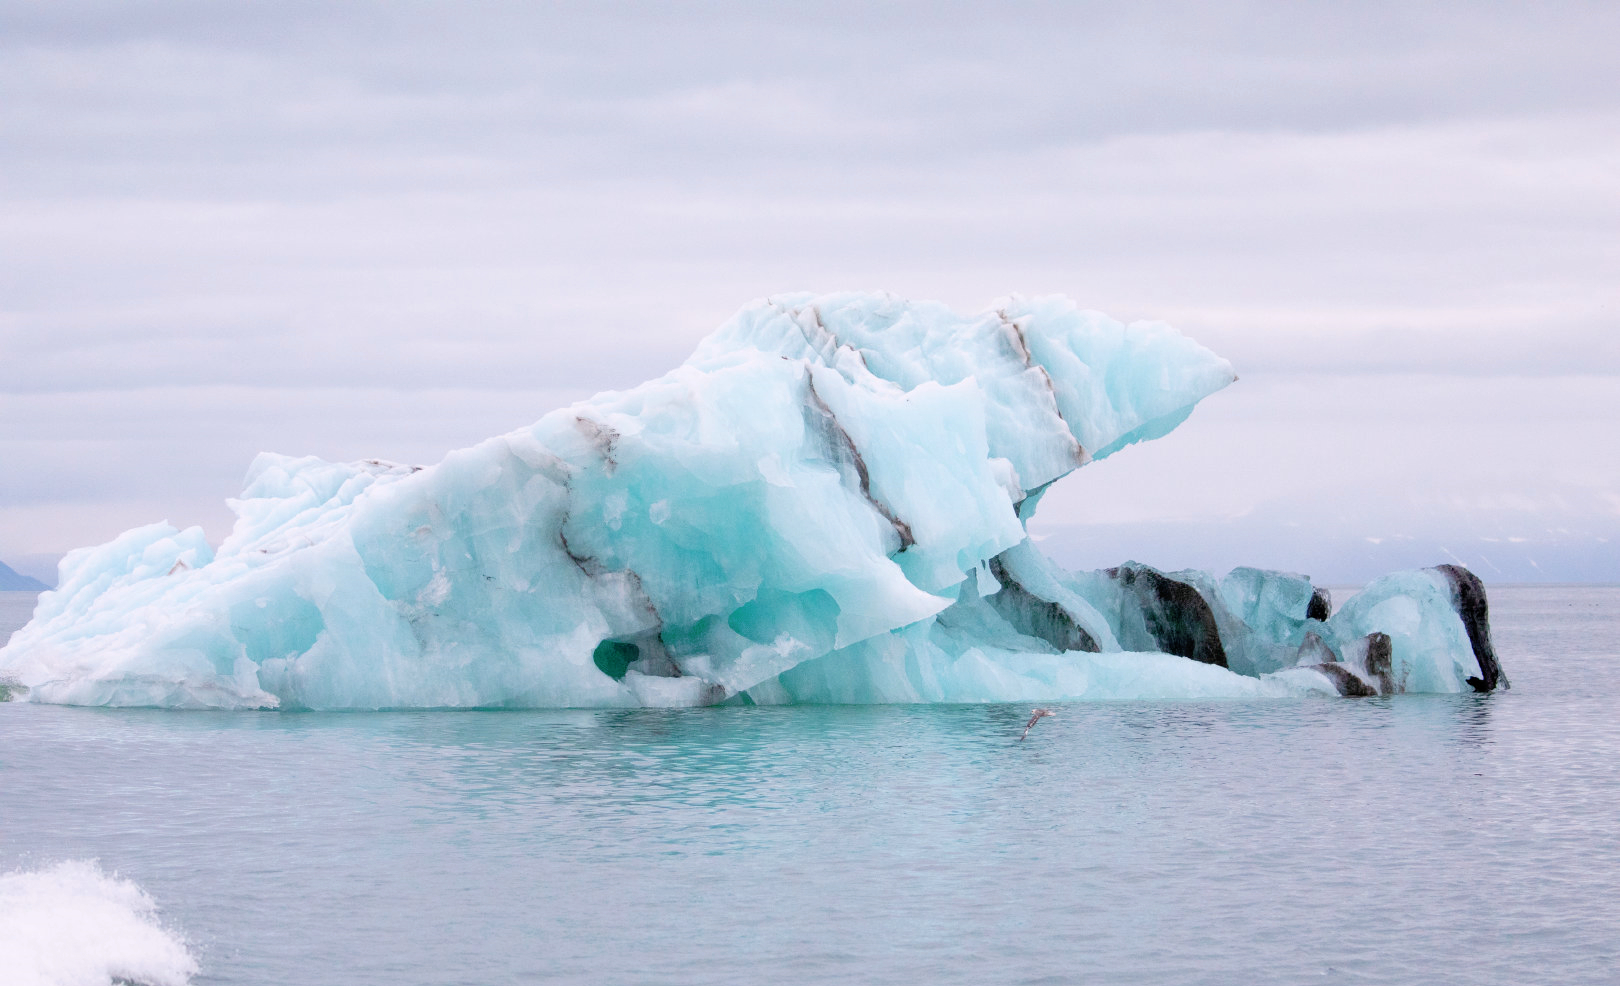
(73, 925)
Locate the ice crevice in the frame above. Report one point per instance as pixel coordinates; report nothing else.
(825, 503)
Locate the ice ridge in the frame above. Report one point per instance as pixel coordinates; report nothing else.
(825, 503)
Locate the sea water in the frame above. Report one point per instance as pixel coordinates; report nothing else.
(1435, 839)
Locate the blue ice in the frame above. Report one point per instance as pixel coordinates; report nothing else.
(826, 503)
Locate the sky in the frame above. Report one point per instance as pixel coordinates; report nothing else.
(393, 229)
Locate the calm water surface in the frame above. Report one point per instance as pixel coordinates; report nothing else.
(1455, 839)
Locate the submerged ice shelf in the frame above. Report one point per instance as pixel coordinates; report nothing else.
(825, 503)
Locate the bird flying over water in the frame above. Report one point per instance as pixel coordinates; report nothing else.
(1037, 717)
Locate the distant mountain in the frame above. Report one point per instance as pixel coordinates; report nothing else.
(13, 581)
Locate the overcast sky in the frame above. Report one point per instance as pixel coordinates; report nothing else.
(393, 229)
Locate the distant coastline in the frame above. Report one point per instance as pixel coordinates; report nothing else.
(14, 581)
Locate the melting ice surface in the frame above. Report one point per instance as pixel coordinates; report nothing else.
(826, 503)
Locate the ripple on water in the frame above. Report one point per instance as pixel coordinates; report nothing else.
(1441, 839)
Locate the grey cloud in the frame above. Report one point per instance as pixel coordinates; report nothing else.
(277, 97)
(1564, 350)
(147, 444)
(226, 227)
(1345, 469)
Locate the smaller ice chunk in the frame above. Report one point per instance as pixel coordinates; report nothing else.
(1436, 627)
(1424, 630)
(1148, 610)
(1266, 615)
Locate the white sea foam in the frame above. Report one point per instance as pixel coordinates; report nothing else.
(73, 925)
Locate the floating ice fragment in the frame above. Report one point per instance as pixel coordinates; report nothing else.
(826, 503)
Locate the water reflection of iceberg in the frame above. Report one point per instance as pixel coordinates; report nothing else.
(826, 503)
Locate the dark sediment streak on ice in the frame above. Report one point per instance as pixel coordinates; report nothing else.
(1468, 597)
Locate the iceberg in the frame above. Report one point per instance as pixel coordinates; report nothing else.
(826, 503)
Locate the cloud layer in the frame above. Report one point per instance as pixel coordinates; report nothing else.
(376, 229)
